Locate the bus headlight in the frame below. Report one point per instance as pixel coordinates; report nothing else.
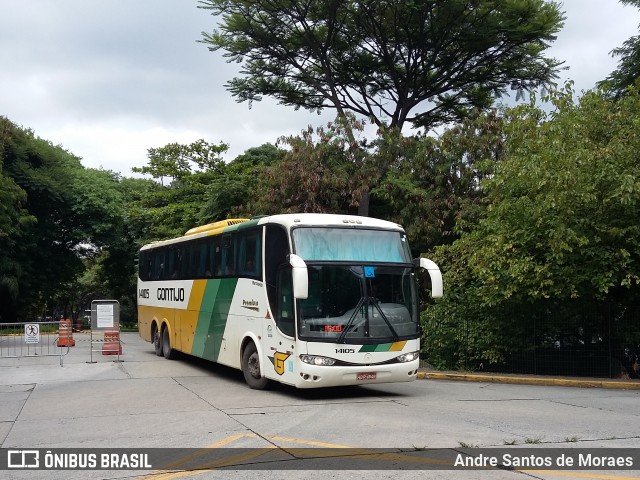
(408, 357)
(318, 360)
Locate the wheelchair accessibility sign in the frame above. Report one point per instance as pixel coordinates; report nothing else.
(32, 333)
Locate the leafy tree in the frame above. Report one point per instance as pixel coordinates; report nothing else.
(171, 209)
(393, 61)
(323, 170)
(565, 202)
(62, 212)
(561, 226)
(628, 70)
(432, 185)
(14, 220)
(179, 162)
(229, 195)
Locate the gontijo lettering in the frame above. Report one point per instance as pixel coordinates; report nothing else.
(171, 294)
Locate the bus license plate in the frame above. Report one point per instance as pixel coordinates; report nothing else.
(366, 376)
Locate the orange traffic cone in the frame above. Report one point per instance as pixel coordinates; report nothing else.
(65, 334)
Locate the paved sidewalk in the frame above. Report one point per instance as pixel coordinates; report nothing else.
(531, 379)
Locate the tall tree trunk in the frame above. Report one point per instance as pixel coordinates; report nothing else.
(363, 208)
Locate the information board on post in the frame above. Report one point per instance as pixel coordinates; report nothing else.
(105, 315)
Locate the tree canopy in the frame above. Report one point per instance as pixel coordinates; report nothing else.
(628, 71)
(560, 229)
(54, 213)
(393, 61)
(169, 209)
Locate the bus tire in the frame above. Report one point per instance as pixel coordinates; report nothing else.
(251, 368)
(157, 340)
(169, 353)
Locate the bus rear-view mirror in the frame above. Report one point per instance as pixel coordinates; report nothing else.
(437, 287)
(300, 277)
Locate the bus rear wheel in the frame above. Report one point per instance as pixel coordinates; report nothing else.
(251, 368)
(169, 353)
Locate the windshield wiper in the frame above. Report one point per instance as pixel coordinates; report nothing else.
(369, 301)
(351, 318)
(386, 320)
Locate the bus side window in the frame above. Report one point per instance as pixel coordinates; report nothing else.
(209, 270)
(217, 254)
(158, 264)
(284, 315)
(170, 264)
(276, 249)
(145, 264)
(250, 253)
(179, 252)
(225, 257)
(203, 259)
(194, 260)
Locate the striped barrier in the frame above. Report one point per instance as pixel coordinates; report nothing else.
(111, 344)
(65, 334)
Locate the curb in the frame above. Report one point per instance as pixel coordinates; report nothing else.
(518, 380)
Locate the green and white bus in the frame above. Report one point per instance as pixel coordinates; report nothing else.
(310, 300)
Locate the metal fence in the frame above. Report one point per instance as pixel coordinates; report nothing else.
(34, 339)
(586, 340)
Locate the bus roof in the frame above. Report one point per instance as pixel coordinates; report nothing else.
(288, 220)
(327, 220)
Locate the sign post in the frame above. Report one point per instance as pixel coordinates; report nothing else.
(105, 318)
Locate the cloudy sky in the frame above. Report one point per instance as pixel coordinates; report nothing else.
(108, 79)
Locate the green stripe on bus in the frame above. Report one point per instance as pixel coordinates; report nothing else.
(221, 312)
(383, 347)
(212, 320)
(204, 318)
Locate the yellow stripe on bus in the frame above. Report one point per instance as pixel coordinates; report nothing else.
(190, 316)
(397, 346)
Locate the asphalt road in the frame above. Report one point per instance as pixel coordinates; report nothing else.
(144, 401)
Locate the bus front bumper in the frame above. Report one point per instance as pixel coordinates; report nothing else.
(313, 376)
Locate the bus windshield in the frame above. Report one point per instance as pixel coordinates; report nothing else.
(351, 245)
(359, 304)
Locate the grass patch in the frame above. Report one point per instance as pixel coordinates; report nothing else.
(533, 441)
(467, 445)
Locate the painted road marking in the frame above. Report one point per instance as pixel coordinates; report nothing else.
(319, 452)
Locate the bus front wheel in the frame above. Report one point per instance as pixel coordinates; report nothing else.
(251, 368)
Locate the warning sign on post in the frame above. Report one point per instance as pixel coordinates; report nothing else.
(32, 333)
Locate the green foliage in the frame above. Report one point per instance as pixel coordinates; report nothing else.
(432, 184)
(429, 185)
(169, 210)
(326, 170)
(181, 162)
(392, 61)
(561, 225)
(59, 214)
(229, 195)
(628, 71)
(14, 219)
(565, 202)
